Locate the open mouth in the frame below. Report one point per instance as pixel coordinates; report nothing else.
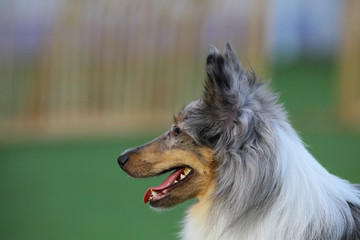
(177, 178)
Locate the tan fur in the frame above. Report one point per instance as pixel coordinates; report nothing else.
(201, 210)
(158, 156)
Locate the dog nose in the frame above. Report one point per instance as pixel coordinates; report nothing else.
(123, 159)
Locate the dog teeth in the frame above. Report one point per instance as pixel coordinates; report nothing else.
(153, 194)
(187, 170)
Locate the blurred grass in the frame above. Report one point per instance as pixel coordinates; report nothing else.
(74, 189)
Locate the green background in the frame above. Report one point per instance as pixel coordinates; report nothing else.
(74, 188)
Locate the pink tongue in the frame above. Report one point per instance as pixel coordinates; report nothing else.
(168, 182)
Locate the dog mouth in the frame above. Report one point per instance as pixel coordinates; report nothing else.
(176, 179)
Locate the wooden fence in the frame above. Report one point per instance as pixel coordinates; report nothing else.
(80, 67)
(115, 66)
(349, 84)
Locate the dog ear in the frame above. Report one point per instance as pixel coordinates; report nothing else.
(230, 55)
(222, 86)
(222, 98)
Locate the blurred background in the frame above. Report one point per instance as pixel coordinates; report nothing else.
(81, 81)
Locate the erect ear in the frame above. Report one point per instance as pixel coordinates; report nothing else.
(222, 86)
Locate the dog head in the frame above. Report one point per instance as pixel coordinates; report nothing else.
(222, 121)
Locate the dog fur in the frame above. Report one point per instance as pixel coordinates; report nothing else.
(251, 174)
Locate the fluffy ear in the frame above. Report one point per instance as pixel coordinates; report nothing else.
(222, 86)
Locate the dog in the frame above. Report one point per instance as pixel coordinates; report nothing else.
(235, 151)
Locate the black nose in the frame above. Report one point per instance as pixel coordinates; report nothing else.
(123, 159)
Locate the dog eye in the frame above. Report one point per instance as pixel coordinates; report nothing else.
(175, 131)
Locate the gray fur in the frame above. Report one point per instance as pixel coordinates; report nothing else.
(236, 117)
(233, 117)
